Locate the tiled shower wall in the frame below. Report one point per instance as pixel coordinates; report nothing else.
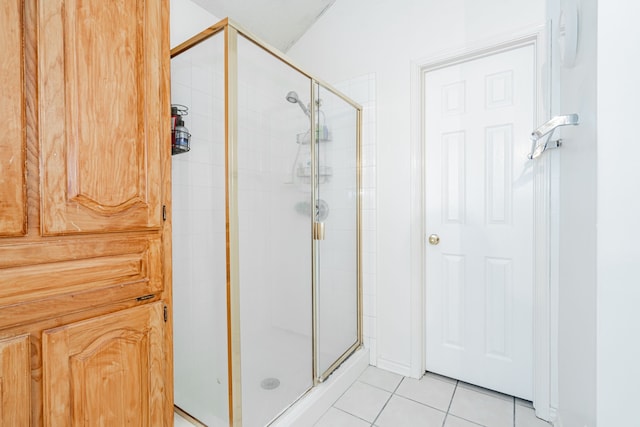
(198, 219)
(362, 90)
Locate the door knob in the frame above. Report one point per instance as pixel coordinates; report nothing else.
(434, 239)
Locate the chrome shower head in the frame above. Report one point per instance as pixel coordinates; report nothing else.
(293, 98)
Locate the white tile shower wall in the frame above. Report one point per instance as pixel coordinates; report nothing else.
(199, 243)
(362, 89)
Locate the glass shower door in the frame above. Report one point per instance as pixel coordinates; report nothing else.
(266, 227)
(274, 263)
(336, 231)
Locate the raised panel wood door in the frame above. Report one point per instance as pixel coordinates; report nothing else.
(101, 115)
(15, 382)
(13, 217)
(106, 371)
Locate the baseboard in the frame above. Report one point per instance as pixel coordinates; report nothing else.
(395, 367)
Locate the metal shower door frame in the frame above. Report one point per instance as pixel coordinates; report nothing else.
(231, 32)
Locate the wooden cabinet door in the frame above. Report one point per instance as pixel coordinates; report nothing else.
(13, 218)
(102, 112)
(106, 371)
(15, 382)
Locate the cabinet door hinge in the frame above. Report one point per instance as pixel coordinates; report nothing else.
(164, 212)
(166, 313)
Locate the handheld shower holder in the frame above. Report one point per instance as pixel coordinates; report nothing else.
(547, 129)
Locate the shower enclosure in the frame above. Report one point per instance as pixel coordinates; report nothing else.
(267, 286)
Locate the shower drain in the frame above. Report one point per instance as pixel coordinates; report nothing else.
(270, 383)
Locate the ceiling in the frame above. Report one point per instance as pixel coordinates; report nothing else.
(279, 23)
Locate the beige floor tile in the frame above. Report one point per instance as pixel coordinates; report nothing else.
(428, 390)
(440, 377)
(401, 412)
(380, 378)
(526, 417)
(453, 421)
(482, 408)
(485, 391)
(363, 400)
(337, 418)
(522, 402)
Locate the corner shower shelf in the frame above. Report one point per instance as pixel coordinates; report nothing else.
(305, 138)
(324, 173)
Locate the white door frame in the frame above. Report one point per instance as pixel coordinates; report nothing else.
(545, 220)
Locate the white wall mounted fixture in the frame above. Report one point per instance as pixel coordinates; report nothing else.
(568, 31)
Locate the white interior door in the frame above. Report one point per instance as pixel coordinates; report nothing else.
(480, 203)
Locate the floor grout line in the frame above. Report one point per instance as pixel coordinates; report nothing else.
(387, 402)
(349, 413)
(382, 409)
(446, 415)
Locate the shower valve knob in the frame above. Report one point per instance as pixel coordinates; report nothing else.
(434, 239)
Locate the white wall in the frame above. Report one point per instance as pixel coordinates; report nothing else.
(358, 37)
(598, 348)
(187, 20)
(618, 210)
(577, 227)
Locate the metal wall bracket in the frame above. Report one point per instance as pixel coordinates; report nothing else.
(547, 129)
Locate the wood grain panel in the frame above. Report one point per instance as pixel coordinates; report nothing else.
(94, 374)
(13, 210)
(106, 371)
(43, 280)
(34, 331)
(100, 166)
(15, 382)
(50, 251)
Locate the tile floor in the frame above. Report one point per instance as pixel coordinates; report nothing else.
(382, 399)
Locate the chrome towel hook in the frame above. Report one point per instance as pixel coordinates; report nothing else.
(547, 129)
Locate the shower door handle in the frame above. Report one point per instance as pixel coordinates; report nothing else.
(318, 230)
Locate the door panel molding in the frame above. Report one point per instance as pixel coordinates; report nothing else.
(544, 219)
(117, 191)
(15, 381)
(118, 354)
(13, 188)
